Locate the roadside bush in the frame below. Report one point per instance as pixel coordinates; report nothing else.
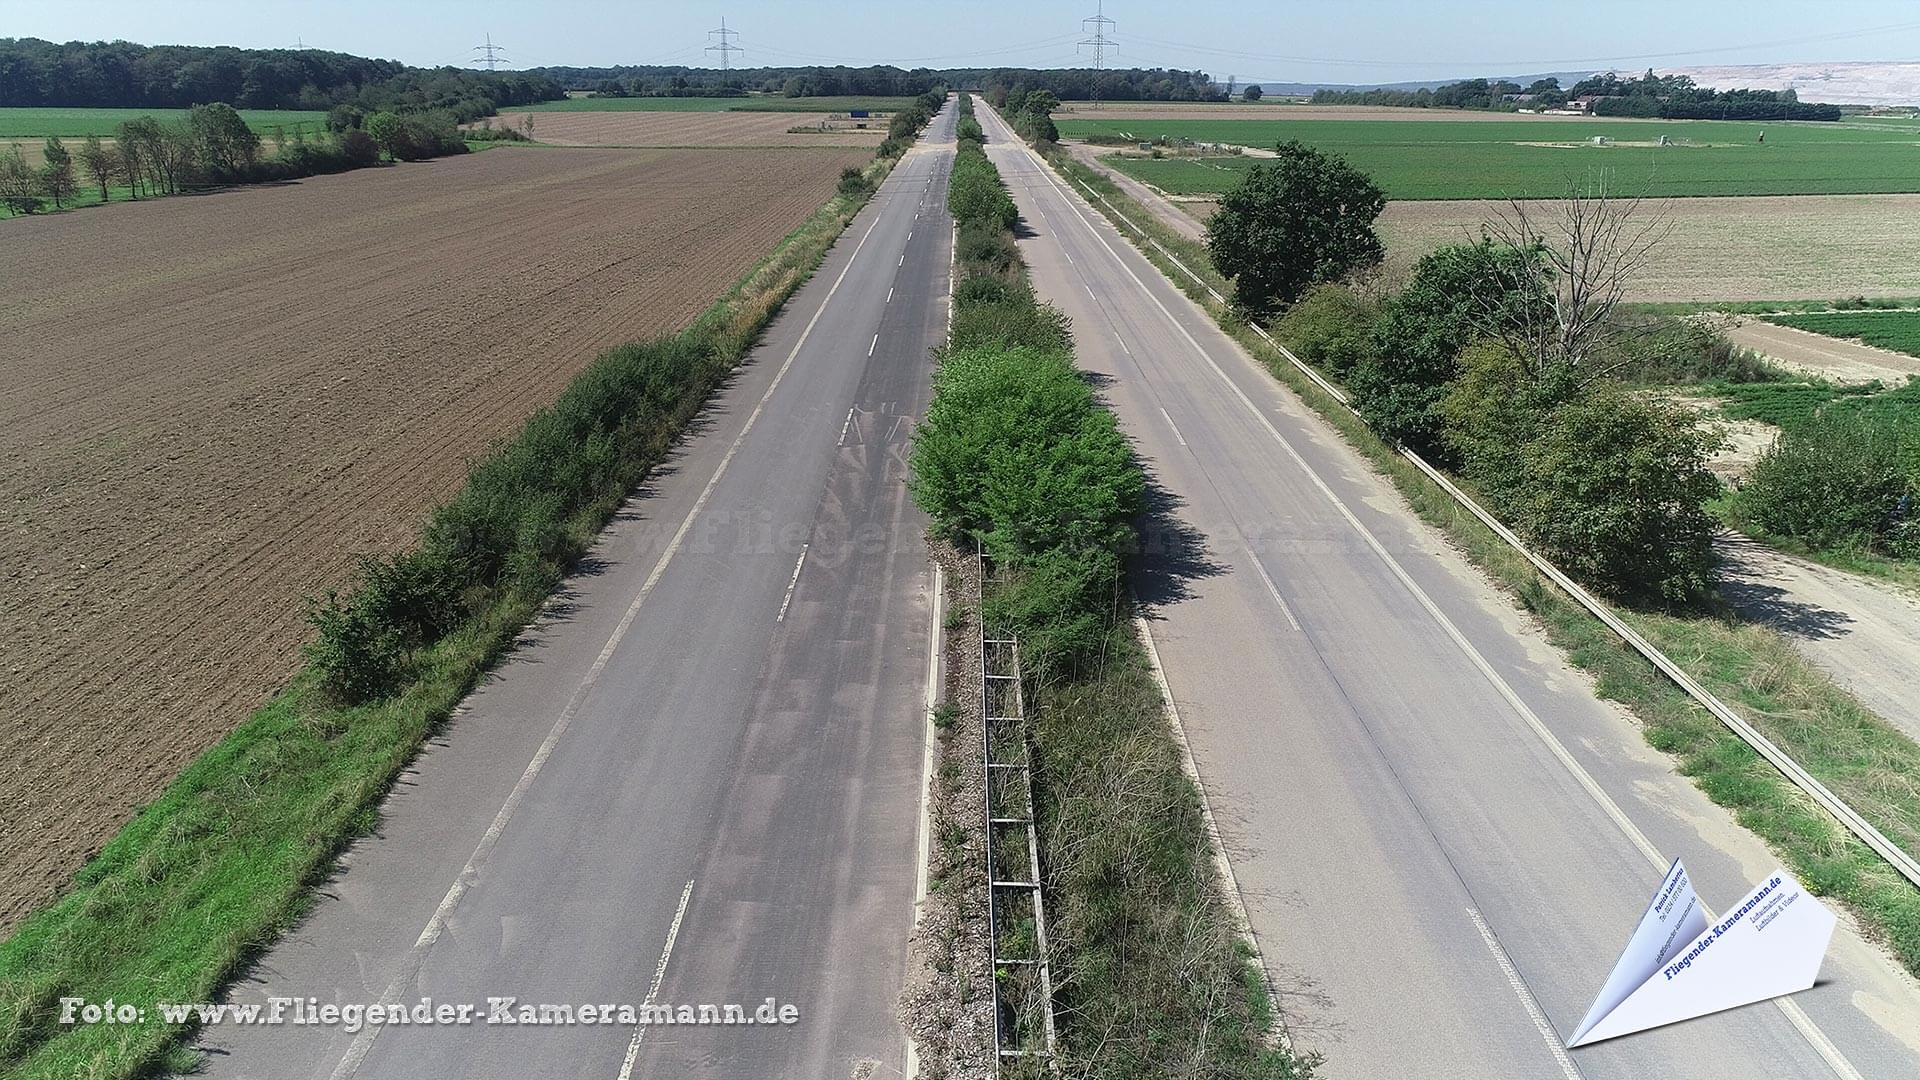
(1016, 453)
(1015, 322)
(983, 247)
(1455, 296)
(1615, 492)
(511, 528)
(975, 194)
(359, 149)
(854, 182)
(1836, 480)
(1331, 328)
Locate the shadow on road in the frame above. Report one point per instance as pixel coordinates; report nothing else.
(1172, 555)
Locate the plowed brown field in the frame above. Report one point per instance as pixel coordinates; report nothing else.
(213, 403)
(687, 129)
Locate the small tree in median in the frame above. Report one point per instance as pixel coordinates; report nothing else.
(1306, 218)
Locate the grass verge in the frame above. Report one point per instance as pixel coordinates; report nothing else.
(210, 874)
(1873, 767)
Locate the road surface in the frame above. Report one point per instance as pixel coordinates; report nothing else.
(1443, 838)
(698, 780)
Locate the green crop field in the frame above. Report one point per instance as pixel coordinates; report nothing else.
(1896, 330)
(35, 123)
(721, 104)
(1435, 159)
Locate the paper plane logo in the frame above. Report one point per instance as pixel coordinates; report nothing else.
(1678, 966)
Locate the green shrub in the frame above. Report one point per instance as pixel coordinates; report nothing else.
(1455, 296)
(1834, 481)
(1015, 452)
(1013, 322)
(986, 247)
(854, 182)
(1615, 493)
(1331, 328)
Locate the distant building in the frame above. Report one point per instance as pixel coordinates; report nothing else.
(1584, 103)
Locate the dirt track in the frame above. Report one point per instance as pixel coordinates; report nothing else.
(1838, 359)
(687, 129)
(214, 402)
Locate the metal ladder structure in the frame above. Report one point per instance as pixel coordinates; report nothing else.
(1022, 984)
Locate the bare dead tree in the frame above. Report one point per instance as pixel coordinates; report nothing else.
(1593, 246)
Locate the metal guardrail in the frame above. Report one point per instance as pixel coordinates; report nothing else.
(1847, 816)
(1003, 713)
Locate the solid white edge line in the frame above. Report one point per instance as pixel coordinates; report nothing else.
(1822, 1045)
(923, 843)
(1525, 993)
(416, 954)
(1222, 864)
(653, 991)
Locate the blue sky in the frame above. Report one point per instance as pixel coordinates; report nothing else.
(1315, 41)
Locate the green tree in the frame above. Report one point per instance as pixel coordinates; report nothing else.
(99, 161)
(18, 186)
(389, 132)
(56, 173)
(1455, 296)
(223, 142)
(1252, 93)
(1305, 218)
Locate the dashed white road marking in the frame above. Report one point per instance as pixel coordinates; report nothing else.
(653, 991)
(787, 600)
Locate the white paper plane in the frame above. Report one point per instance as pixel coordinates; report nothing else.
(1677, 966)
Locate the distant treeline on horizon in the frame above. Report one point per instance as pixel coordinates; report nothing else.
(119, 74)
(1067, 84)
(1668, 97)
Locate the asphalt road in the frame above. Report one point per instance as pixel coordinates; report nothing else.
(698, 779)
(1442, 836)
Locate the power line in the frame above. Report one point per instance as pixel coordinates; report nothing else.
(491, 55)
(726, 48)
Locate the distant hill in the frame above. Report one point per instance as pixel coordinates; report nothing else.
(1851, 83)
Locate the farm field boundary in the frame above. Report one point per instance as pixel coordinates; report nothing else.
(220, 864)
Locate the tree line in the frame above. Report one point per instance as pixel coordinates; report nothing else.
(1671, 97)
(1508, 360)
(120, 74)
(1067, 84)
(212, 145)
